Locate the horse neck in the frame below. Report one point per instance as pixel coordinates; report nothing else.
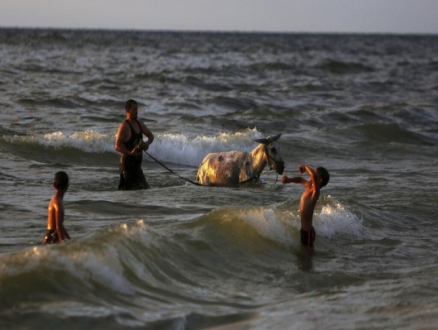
(259, 158)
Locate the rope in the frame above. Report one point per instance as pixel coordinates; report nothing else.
(258, 177)
(193, 182)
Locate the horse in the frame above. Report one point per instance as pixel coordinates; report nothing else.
(235, 167)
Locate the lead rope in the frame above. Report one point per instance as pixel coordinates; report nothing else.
(193, 182)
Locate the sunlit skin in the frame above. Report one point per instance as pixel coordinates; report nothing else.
(124, 134)
(232, 167)
(310, 195)
(55, 214)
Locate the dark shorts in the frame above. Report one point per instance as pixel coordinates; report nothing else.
(308, 237)
(51, 237)
(131, 175)
(133, 181)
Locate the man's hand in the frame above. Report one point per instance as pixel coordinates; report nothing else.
(302, 169)
(135, 152)
(145, 146)
(284, 179)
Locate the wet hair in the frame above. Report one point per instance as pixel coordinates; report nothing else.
(324, 175)
(61, 180)
(130, 104)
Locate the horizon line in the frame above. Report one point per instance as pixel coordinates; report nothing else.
(217, 31)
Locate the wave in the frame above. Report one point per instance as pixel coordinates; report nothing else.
(392, 133)
(180, 149)
(137, 272)
(205, 85)
(124, 256)
(272, 66)
(342, 67)
(239, 103)
(52, 102)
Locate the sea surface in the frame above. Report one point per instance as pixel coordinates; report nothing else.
(182, 256)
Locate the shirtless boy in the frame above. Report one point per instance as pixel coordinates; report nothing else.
(55, 218)
(318, 179)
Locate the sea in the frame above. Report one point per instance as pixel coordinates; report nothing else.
(184, 256)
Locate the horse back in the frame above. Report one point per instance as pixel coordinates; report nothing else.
(224, 168)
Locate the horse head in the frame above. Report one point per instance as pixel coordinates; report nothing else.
(272, 151)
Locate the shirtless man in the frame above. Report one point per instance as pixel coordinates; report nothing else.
(56, 232)
(129, 142)
(318, 179)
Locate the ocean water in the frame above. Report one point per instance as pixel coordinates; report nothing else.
(181, 256)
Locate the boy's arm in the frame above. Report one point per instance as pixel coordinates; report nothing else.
(66, 235)
(59, 215)
(313, 178)
(305, 168)
(296, 179)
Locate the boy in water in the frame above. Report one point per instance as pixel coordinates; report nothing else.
(55, 218)
(318, 179)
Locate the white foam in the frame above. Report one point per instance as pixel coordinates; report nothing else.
(331, 220)
(181, 149)
(170, 148)
(88, 141)
(334, 218)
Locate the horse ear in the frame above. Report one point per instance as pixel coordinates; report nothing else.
(268, 139)
(275, 138)
(264, 141)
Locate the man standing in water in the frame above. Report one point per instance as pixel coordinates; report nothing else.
(129, 142)
(318, 179)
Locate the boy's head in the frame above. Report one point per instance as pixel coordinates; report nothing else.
(323, 175)
(61, 180)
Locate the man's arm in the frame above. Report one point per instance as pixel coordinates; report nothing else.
(146, 131)
(120, 141)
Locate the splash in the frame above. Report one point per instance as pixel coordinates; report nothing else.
(88, 141)
(181, 149)
(267, 224)
(334, 218)
(170, 148)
